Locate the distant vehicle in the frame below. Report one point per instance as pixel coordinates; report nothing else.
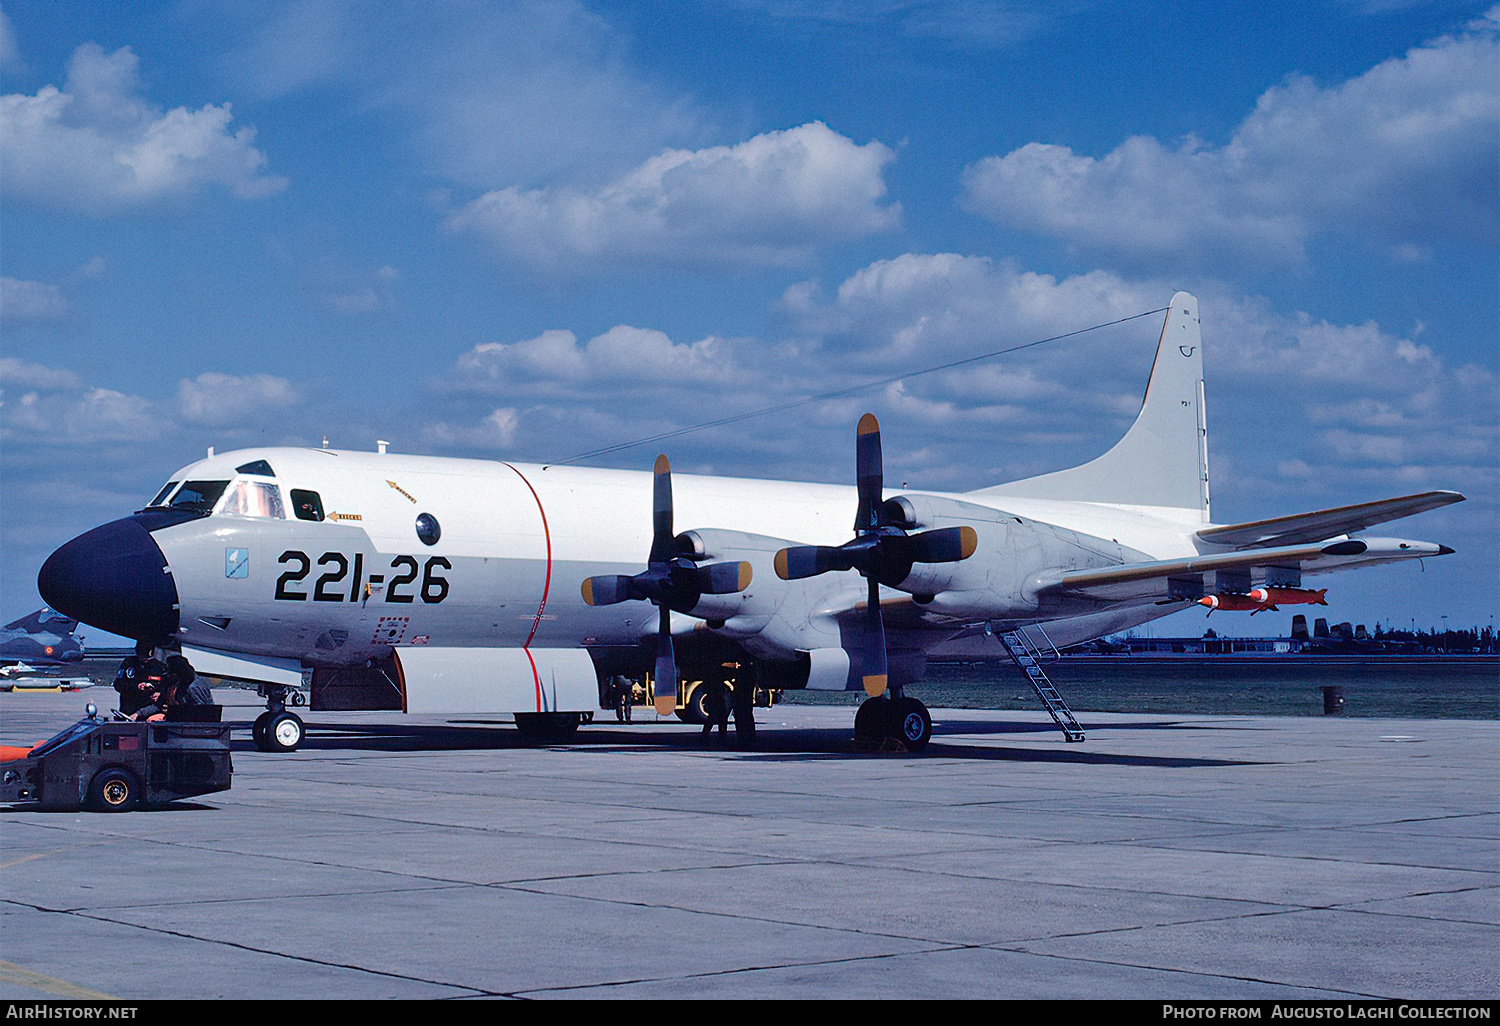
(41, 639)
(116, 765)
(24, 669)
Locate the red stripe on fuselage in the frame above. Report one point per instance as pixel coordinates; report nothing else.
(536, 681)
(546, 587)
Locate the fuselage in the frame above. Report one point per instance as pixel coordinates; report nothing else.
(333, 558)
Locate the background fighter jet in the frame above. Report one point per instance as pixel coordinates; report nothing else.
(42, 638)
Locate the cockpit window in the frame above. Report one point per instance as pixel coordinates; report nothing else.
(254, 499)
(306, 505)
(161, 496)
(198, 495)
(260, 468)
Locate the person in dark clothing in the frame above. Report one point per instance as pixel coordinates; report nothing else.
(716, 708)
(163, 695)
(620, 694)
(744, 706)
(188, 687)
(138, 680)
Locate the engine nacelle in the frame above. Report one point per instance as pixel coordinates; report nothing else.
(1011, 551)
(772, 616)
(759, 601)
(993, 558)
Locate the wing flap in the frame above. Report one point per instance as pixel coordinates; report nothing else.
(1324, 523)
(1147, 579)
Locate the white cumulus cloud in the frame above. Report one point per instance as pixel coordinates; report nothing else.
(55, 415)
(10, 56)
(224, 399)
(31, 301)
(622, 354)
(99, 147)
(1403, 154)
(485, 93)
(565, 395)
(16, 373)
(774, 199)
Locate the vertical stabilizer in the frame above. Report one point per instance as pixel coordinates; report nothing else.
(1163, 458)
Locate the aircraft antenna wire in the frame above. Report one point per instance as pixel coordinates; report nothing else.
(839, 393)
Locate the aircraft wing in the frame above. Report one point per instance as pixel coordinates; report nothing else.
(1324, 523)
(1156, 578)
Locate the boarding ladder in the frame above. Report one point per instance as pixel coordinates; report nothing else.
(1026, 653)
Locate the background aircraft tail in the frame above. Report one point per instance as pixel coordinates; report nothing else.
(1163, 458)
(43, 619)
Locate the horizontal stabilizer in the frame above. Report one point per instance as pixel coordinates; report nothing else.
(1324, 523)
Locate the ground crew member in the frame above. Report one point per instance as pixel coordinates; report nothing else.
(744, 706)
(190, 689)
(138, 680)
(716, 709)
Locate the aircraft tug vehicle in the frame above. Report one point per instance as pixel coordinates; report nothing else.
(118, 765)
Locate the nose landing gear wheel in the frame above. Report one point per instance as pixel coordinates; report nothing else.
(277, 732)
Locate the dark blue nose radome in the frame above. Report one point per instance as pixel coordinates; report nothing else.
(114, 578)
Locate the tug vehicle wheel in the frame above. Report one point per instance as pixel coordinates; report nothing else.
(114, 790)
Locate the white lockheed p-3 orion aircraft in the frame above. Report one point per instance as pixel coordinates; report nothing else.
(464, 586)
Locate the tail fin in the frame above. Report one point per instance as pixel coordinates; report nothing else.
(43, 619)
(1163, 458)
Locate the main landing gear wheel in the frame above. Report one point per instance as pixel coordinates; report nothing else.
(905, 720)
(695, 709)
(277, 732)
(114, 790)
(870, 720)
(910, 723)
(547, 728)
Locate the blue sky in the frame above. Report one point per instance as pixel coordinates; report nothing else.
(526, 230)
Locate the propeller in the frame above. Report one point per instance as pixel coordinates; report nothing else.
(670, 581)
(881, 550)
